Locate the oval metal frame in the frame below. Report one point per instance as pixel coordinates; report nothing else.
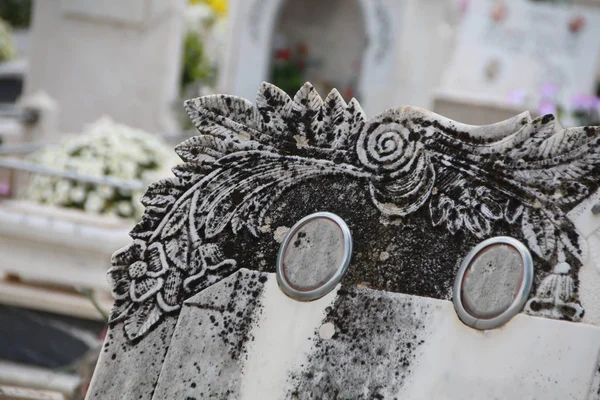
(317, 293)
(519, 301)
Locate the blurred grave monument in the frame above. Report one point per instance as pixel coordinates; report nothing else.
(78, 200)
(383, 52)
(305, 251)
(507, 52)
(118, 58)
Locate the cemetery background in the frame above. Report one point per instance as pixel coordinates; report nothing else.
(91, 109)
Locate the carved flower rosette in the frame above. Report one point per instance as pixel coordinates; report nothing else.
(403, 175)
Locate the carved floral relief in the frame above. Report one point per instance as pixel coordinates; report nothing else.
(526, 173)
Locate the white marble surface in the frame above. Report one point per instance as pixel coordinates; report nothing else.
(448, 361)
(57, 246)
(128, 370)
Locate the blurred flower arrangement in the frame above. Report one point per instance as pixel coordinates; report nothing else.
(105, 148)
(293, 65)
(196, 67)
(579, 110)
(289, 68)
(586, 109)
(204, 29)
(7, 44)
(218, 7)
(206, 26)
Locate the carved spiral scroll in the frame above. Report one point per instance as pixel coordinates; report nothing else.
(405, 175)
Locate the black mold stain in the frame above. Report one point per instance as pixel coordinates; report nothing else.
(140, 362)
(423, 260)
(372, 352)
(225, 329)
(233, 323)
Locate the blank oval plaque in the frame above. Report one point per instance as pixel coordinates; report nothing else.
(314, 256)
(493, 283)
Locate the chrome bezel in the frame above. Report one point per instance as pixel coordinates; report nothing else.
(316, 293)
(522, 294)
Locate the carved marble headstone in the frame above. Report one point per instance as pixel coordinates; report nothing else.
(199, 312)
(112, 47)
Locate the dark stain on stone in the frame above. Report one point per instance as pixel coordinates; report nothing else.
(423, 259)
(371, 353)
(547, 118)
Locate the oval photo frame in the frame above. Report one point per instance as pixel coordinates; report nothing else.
(314, 292)
(519, 298)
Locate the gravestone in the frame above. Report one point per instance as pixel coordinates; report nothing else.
(388, 53)
(419, 211)
(118, 49)
(507, 51)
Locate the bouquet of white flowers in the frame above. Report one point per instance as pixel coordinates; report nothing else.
(104, 149)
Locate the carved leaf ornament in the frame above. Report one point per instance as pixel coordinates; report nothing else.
(246, 156)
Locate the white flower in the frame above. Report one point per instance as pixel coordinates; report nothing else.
(94, 203)
(198, 16)
(104, 149)
(138, 207)
(124, 209)
(62, 191)
(43, 181)
(78, 194)
(33, 193)
(92, 167)
(105, 191)
(126, 170)
(7, 45)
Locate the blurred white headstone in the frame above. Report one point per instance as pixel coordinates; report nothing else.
(120, 58)
(402, 56)
(505, 48)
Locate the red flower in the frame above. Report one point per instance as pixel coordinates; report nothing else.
(302, 49)
(283, 54)
(499, 13)
(349, 92)
(576, 24)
